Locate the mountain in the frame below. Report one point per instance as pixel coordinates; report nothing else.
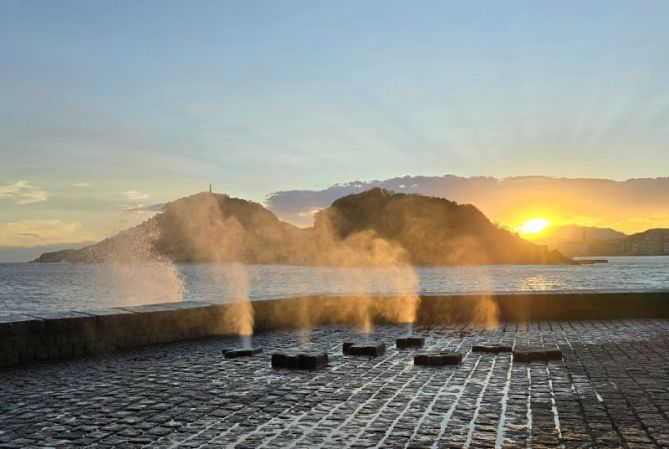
(588, 241)
(574, 240)
(432, 231)
(205, 227)
(581, 233)
(376, 227)
(21, 254)
(653, 242)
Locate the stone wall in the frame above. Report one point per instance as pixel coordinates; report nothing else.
(24, 339)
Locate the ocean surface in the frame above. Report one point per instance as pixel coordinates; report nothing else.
(35, 288)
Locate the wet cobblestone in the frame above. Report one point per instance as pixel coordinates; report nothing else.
(610, 390)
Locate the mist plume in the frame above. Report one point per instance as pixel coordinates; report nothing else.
(374, 230)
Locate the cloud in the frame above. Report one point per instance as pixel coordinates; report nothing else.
(81, 184)
(629, 206)
(134, 195)
(43, 232)
(142, 208)
(29, 234)
(22, 192)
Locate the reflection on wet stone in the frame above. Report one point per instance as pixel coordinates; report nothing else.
(608, 390)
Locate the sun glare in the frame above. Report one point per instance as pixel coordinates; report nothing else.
(533, 226)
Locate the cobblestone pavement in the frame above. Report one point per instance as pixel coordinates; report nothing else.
(611, 390)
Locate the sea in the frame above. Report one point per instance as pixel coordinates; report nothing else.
(33, 289)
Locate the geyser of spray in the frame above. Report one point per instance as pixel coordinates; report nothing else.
(136, 272)
(201, 229)
(485, 313)
(366, 260)
(238, 319)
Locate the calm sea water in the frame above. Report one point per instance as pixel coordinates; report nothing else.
(34, 288)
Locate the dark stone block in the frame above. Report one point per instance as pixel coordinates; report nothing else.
(450, 358)
(536, 354)
(437, 358)
(421, 358)
(27, 356)
(553, 354)
(281, 360)
(410, 342)
(305, 360)
(491, 348)
(346, 346)
(313, 360)
(372, 349)
(243, 352)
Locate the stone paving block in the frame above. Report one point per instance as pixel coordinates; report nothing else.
(410, 342)
(524, 354)
(491, 348)
(283, 360)
(437, 358)
(370, 349)
(610, 390)
(241, 352)
(313, 360)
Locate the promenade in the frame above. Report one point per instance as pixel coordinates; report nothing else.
(610, 390)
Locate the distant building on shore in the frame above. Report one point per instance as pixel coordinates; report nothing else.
(653, 242)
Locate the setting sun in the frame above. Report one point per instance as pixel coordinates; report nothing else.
(533, 226)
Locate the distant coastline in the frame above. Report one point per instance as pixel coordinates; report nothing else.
(373, 228)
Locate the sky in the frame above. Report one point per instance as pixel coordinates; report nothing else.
(109, 106)
(628, 206)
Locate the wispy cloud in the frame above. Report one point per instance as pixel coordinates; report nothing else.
(22, 192)
(43, 232)
(152, 208)
(81, 184)
(134, 195)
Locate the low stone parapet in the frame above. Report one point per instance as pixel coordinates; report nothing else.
(47, 336)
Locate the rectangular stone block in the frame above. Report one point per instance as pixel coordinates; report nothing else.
(313, 360)
(42, 353)
(6, 344)
(54, 352)
(27, 355)
(77, 349)
(437, 358)
(66, 350)
(372, 349)
(12, 358)
(553, 354)
(450, 358)
(243, 352)
(304, 360)
(491, 348)
(422, 359)
(536, 354)
(410, 342)
(282, 360)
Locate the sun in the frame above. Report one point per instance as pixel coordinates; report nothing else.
(533, 226)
